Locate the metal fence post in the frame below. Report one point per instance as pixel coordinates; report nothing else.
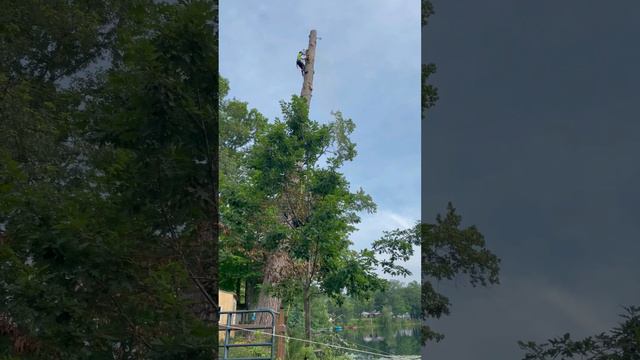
(227, 335)
(227, 345)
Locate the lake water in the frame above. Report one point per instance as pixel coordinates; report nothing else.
(395, 339)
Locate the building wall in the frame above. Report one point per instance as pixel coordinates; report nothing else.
(227, 302)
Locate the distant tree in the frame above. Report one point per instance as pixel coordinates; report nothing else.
(397, 297)
(411, 292)
(400, 298)
(620, 343)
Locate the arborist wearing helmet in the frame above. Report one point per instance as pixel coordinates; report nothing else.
(300, 61)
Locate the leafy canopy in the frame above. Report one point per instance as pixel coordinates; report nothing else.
(447, 251)
(620, 343)
(108, 178)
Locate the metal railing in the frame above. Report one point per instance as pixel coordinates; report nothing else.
(229, 326)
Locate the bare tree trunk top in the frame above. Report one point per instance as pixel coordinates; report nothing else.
(307, 84)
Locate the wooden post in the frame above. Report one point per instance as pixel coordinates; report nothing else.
(281, 329)
(307, 84)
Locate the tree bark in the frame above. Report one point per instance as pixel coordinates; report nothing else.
(250, 293)
(200, 261)
(275, 271)
(307, 89)
(307, 312)
(307, 84)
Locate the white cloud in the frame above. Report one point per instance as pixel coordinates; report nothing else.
(403, 222)
(373, 225)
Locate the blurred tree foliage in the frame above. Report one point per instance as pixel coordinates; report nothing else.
(429, 91)
(447, 251)
(621, 343)
(400, 298)
(108, 166)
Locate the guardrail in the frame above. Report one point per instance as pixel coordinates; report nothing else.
(228, 326)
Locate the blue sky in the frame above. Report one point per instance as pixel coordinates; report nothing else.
(367, 66)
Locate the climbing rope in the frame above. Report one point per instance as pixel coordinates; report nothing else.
(312, 342)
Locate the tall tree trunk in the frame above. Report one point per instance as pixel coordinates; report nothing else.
(277, 264)
(307, 88)
(307, 312)
(250, 293)
(238, 290)
(275, 271)
(201, 263)
(307, 84)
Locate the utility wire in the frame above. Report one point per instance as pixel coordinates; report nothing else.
(309, 341)
(365, 346)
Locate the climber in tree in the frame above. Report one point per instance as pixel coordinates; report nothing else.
(300, 61)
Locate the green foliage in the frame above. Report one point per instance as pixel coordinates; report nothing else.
(397, 246)
(354, 274)
(50, 40)
(249, 222)
(429, 92)
(305, 352)
(621, 343)
(427, 10)
(289, 169)
(447, 252)
(107, 178)
(397, 297)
